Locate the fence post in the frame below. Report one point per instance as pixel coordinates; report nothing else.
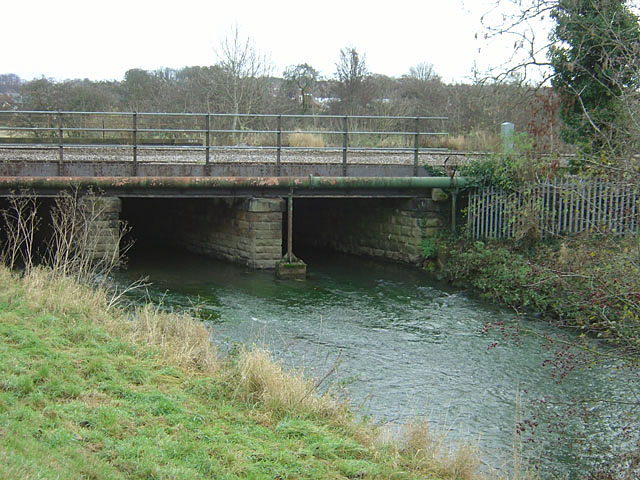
(135, 143)
(278, 144)
(60, 143)
(454, 195)
(207, 125)
(415, 147)
(345, 145)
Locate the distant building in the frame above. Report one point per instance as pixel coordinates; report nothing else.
(10, 101)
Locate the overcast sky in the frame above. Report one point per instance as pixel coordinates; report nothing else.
(101, 40)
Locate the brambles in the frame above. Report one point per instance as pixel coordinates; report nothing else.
(588, 286)
(509, 170)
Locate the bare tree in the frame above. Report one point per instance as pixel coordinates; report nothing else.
(425, 72)
(352, 74)
(199, 88)
(241, 67)
(21, 221)
(589, 51)
(79, 231)
(423, 91)
(526, 25)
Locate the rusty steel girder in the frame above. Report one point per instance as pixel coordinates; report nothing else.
(235, 186)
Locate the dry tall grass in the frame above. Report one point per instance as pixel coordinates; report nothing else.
(431, 453)
(477, 141)
(182, 339)
(302, 139)
(256, 139)
(185, 340)
(261, 380)
(47, 291)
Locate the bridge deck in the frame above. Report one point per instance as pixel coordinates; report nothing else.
(163, 154)
(246, 162)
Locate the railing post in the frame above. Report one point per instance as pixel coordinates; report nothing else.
(279, 145)
(345, 145)
(135, 143)
(60, 143)
(207, 123)
(416, 146)
(290, 226)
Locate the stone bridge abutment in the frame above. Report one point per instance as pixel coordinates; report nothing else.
(246, 220)
(392, 229)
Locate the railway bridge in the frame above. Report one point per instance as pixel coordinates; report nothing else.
(361, 184)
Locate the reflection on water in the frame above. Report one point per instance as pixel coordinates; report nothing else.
(407, 347)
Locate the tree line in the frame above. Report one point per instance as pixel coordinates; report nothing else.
(587, 100)
(242, 82)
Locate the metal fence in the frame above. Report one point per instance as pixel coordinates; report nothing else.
(553, 208)
(208, 132)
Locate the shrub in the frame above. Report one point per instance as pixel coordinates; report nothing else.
(429, 247)
(589, 284)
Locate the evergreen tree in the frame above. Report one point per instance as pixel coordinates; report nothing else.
(595, 61)
(304, 78)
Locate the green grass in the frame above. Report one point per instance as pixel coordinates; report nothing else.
(80, 399)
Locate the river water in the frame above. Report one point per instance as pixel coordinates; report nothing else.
(408, 347)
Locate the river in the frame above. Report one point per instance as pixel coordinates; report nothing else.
(408, 347)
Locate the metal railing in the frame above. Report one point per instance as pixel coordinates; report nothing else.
(210, 132)
(552, 208)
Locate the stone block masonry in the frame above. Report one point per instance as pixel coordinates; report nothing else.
(245, 231)
(249, 231)
(393, 229)
(103, 217)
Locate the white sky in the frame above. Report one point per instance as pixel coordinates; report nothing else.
(101, 40)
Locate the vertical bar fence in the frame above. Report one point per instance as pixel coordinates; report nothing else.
(554, 207)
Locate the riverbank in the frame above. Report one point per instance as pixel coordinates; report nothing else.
(589, 284)
(90, 390)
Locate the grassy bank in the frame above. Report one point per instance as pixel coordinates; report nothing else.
(589, 284)
(89, 390)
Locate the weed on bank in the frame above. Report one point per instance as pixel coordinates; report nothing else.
(589, 284)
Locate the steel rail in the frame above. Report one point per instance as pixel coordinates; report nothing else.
(244, 115)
